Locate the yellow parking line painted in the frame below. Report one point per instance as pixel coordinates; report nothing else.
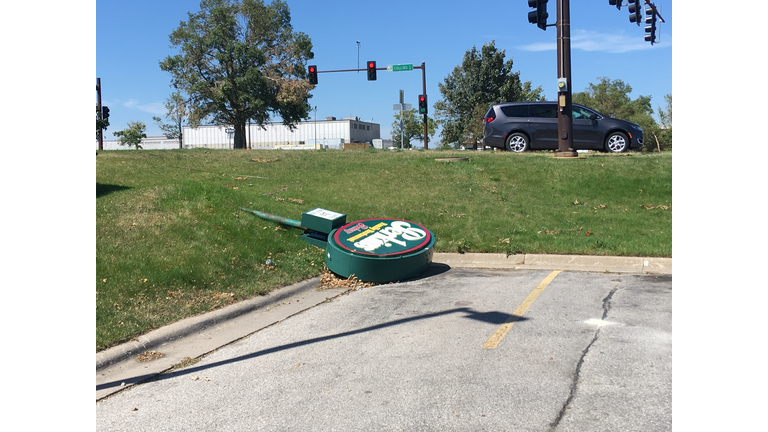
(502, 331)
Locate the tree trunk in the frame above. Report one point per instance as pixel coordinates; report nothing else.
(658, 146)
(239, 136)
(181, 136)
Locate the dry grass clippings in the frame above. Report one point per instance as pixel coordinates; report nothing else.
(331, 280)
(148, 356)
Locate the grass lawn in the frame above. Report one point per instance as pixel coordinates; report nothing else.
(172, 240)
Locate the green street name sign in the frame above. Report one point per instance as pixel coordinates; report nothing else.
(400, 68)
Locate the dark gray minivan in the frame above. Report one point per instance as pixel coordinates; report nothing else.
(521, 126)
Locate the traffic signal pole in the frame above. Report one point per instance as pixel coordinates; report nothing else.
(564, 99)
(373, 78)
(424, 88)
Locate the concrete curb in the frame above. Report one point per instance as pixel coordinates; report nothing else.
(608, 264)
(198, 323)
(119, 368)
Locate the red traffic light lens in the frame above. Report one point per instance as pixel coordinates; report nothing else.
(311, 69)
(370, 65)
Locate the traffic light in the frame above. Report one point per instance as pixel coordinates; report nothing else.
(650, 28)
(313, 74)
(616, 3)
(540, 15)
(634, 11)
(422, 104)
(104, 112)
(371, 71)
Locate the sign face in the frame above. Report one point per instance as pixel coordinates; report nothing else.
(382, 237)
(325, 214)
(400, 68)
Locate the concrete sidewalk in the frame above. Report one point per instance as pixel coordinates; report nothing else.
(609, 264)
(117, 368)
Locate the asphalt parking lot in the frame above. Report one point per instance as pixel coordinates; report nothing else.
(455, 349)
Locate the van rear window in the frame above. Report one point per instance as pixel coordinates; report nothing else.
(515, 110)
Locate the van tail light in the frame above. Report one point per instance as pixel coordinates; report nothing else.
(488, 119)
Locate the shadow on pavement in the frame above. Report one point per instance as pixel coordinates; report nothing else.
(495, 318)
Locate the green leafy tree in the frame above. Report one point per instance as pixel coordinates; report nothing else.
(176, 112)
(663, 135)
(611, 97)
(101, 124)
(132, 135)
(413, 128)
(240, 61)
(482, 79)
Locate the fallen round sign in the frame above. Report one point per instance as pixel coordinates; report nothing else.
(380, 250)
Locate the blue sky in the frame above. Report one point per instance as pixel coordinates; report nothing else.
(132, 37)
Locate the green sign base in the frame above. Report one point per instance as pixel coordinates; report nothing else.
(380, 250)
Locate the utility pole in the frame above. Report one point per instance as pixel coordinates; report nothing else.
(98, 104)
(402, 125)
(424, 92)
(564, 84)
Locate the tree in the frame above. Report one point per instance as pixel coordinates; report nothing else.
(611, 97)
(177, 112)
(101, 124)
(664, 136)
(413, 128)
(241, 60)
(132, 135)
(482, 79)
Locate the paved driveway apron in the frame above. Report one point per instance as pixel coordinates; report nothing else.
(456, 350)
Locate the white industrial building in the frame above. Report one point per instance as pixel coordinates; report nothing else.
(329, 133)
(149, 143)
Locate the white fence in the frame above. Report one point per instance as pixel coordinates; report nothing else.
(328, 134)
(149, 143)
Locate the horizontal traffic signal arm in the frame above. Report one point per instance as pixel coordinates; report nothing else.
(314, 73)
(357, 70)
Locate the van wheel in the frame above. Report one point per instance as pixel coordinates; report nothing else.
(517, 143)
(616, 142)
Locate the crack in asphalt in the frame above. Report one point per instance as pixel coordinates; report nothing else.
(577, 374)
